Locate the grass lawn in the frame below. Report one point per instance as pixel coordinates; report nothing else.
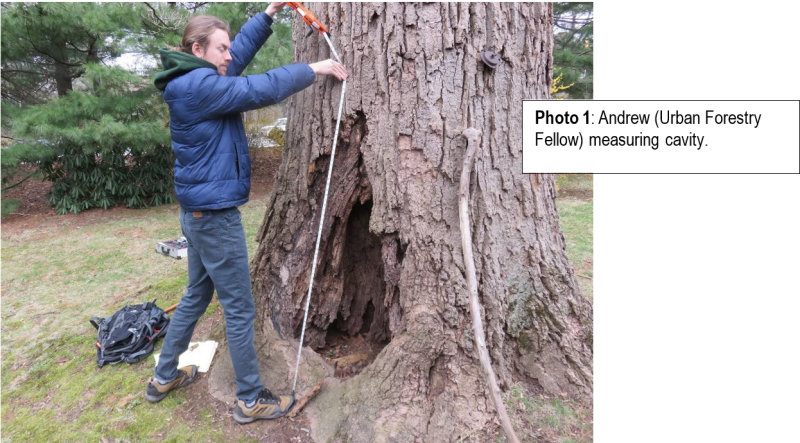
(58, 273)
(57, 276)
(576, 221)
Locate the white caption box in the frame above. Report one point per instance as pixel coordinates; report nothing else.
(661, 136)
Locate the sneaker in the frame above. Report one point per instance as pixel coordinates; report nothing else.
(265, 407)
(156, 391)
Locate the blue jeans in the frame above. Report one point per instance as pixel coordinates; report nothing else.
(217, 258)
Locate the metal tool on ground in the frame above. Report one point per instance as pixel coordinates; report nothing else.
(316, 25)
(177, 248)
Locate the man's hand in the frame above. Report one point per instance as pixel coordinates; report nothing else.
(329, 67)
(274, 7)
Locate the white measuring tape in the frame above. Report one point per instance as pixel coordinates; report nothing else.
(321, 218)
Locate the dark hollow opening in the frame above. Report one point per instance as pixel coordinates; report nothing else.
(361, 328)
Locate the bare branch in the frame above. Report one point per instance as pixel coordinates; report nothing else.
(77, 48)
(172, 20)
(23, 71)
(21, 181)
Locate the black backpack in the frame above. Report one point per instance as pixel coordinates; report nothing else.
(130, 334)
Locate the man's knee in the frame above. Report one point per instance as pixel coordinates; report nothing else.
(239, 324)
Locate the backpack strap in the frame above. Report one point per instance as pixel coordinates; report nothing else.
(96, 321)
(140, 354)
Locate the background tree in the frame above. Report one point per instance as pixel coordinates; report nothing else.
(390, 264)
(277, 51)
(100, 134)
(573, 51)
(46, 46)
(106, 144)
(166, 22)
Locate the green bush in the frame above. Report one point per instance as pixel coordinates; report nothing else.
(106, 144)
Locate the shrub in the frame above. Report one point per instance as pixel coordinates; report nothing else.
(106, 144)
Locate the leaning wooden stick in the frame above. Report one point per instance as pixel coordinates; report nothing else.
(301, 403)
(473, 136)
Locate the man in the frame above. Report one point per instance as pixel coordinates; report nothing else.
(201, 83)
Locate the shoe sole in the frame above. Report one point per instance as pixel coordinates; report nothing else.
(244, 419)
(155, 398)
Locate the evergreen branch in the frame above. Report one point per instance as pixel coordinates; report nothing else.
(91, 52)
(20, 94)
(77, 48)
(576, 20)
(30, 40)
(23, 71)
(564, 41)
(77, 74)
(572, 28)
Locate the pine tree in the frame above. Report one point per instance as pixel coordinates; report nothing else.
(46, 46)
(277, 51)
(573, 51)
(101, 146)
(166, 23)
(101, 134)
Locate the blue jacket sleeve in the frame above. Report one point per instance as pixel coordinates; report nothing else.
(216, 95)
(248, 41)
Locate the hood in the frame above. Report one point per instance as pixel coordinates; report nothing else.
(176, 64)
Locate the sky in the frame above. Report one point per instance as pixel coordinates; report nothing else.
(135, 62)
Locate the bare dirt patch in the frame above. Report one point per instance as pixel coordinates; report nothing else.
(202, 408)
(578, 194)
(32, 194)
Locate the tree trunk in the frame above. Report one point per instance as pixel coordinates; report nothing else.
(63, 77)
(390, 263)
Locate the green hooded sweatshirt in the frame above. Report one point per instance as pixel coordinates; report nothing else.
(176, 64)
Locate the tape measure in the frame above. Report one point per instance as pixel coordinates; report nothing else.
(315, 24)
(309, 18)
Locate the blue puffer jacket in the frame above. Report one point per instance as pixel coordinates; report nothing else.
(212, 159)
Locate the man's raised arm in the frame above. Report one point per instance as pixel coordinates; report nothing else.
(250, 38)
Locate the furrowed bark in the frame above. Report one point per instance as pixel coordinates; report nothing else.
(391, 263)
